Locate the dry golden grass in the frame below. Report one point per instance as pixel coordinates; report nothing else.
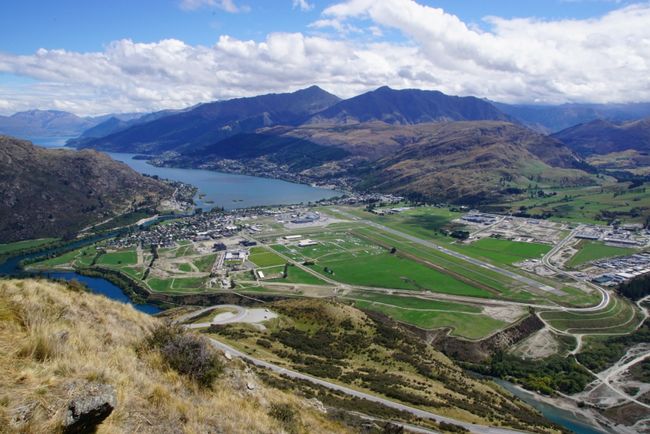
(52, 338)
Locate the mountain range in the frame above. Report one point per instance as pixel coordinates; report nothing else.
(52, 123)
(553, 118)
(462, 149)
(605, 137)
(208, 123)
(406, 141)
(55, 192)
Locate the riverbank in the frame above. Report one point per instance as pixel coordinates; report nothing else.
(566, 412)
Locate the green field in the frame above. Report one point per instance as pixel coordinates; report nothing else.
(185, 268)
(504, 251)
(594, 204)
(298, 275)
(411, 302)
(353, 260)
(186, 284)
(467, 325)
(264, 258)
(427, 222)
(593, 250)
(619, 316)
(119, 258)
(65, 259)
(24, 245)
(465, 320)
(205, 263)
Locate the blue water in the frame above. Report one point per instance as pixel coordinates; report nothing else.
(103, 287)
(557, 415)
(97, 285)
(48, 142)
(232, 191)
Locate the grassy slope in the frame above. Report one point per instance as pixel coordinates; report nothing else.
(104, 342)
(329, 339)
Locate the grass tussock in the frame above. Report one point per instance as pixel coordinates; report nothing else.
(52, 338)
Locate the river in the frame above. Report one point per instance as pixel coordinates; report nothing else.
(562, 417)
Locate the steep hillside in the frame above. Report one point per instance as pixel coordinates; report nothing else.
(209, 123)
(604, 137)
(59, 348)
(55, 192)
(452, 161)
(297, 154)
(407, 106)
(474, 162)
(369, 352)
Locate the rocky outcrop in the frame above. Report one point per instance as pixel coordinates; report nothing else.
(93, 402)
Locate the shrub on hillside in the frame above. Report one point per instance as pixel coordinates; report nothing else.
(187, 353)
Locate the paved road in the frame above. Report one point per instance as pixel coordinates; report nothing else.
(431, 245)
(352, 392)
(546, 260)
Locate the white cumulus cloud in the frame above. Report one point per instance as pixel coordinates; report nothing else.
(603, 59)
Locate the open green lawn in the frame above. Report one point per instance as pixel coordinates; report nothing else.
(119, 258)
(411, 302)
(184, 267)
(355, 258)
(65, 259)
(185, 284)
(391, 271)
(593, 250)
(298, 275)
(264, 258)
(468, 325)
(23, 245)
(504, 251)
(205, 263)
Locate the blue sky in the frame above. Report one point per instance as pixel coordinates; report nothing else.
(116, 57)
(28, 25)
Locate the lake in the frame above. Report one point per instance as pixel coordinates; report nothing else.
(219, 189)
(232, 191)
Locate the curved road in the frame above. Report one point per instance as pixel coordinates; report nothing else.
(358, 394)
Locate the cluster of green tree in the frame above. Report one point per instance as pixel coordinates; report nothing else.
(546, 376)
(636, 288)
(601, 354)
(460, 235)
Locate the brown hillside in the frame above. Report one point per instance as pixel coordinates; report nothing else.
(53, 192)
(54, 341)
